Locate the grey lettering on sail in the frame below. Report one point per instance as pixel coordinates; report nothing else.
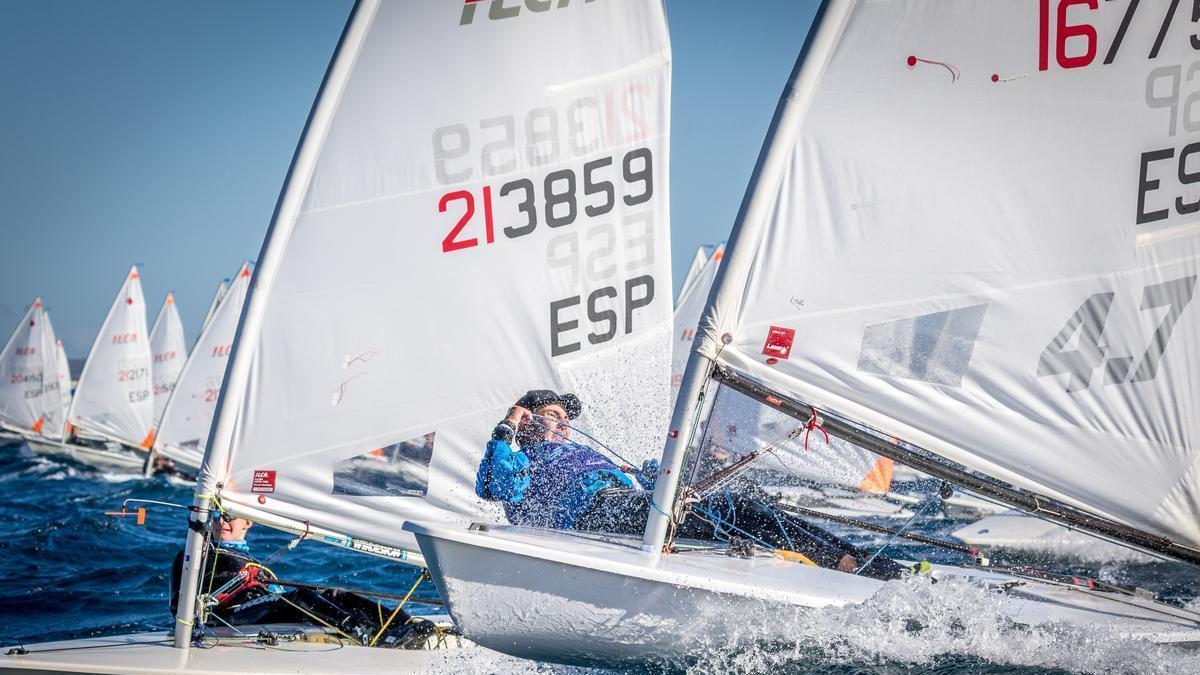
(934, 348)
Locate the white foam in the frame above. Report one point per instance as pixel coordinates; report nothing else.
(912, 622)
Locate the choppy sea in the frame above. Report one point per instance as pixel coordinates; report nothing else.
(67, 570)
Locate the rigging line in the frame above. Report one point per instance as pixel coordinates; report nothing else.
(357, 591)
(421, 577)
(585, 434)
(1095, 535)
(893, 537)
(862, 524)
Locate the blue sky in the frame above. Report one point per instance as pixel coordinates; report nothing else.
(159, 133)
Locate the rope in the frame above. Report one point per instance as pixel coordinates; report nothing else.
(396, 611)
(893, 537)
(813, 422)
(536, 419)
(319, 620)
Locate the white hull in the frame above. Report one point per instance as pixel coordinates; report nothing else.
(578, 599)
(9, 438)
(104, 458)
(317, 653)
(1017, 531)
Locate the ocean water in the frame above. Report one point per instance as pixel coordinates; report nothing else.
(67, 570)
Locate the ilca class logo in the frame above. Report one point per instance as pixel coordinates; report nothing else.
(263, 481)
(779, 343)
(508, 9)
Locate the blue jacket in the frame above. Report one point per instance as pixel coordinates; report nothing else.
(546, 484)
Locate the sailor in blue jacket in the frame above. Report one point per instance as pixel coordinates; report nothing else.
(542, 479)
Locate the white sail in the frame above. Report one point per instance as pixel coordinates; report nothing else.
(112, 398)
(183, 433)
(21, 366)
(699, 261)
(53, 404)
(981, 239)
(687, 315)
(64, 380)
(479, 224)
(168, 351)
(212, 306)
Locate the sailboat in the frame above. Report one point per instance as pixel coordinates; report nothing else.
(699, 260)
(958, 236)
(214, 303)
(21, 364)
(183, 432)
(427, 264)
(112, 411)
(168, 351)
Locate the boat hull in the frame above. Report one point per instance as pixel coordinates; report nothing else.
(314, 652)
(587, 602)
(103, 458)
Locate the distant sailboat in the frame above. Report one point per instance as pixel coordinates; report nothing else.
(168, 350)
(212, 306)
(21, 363)
(183, 433)
(699, 260)
(113, 406)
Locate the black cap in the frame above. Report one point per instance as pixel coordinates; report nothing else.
(535, 398)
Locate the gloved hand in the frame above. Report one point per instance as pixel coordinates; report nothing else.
(504, 473)
(648, 476)
(603, 478)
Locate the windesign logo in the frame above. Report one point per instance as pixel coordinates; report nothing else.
(507, 9)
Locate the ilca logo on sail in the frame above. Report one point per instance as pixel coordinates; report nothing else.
(507, 9)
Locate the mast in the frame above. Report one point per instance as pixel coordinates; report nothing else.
(828, 24)
(287, 209)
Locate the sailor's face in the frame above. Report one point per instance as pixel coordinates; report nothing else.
(232, 529)
(554, 417)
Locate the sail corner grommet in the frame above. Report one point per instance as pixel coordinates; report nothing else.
(727, 338)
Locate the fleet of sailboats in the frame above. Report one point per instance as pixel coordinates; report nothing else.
(927, 286)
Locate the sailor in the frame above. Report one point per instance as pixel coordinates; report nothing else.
(543, 479)
(244, 594)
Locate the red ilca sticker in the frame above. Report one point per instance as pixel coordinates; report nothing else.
(264, 481)
(779, 342)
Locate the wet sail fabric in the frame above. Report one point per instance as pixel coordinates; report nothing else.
(22, 369)
(483, 222)
(216, 301)
(981, 239)
(183, 433)
(54, 378)
(698, 263)
(113, 396)
(168, 351)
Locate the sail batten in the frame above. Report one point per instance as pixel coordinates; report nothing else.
(948, 252)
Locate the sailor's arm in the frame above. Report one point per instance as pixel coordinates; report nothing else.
(503, 474)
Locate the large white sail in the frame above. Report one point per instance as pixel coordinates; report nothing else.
(168, 351)
(53, 404)
(112, 398)
(981, 238)
(216, 301)
(481, 223)
(183, 433)
(21, 366)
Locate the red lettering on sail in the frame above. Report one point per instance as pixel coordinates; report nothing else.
(124, 338)
(220, 351)
(263, 481)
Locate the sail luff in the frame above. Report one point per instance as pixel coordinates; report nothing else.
(212, 305)
(738, 258)
(286, 211)
(16, 411)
